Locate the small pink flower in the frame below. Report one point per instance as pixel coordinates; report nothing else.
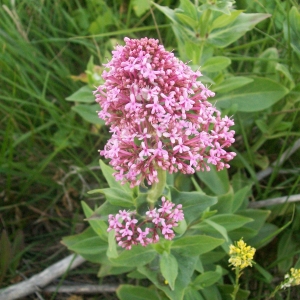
(151, 96)
(129, 232)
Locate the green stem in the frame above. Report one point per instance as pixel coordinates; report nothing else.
(204, 23)
(274, 292)
(236, 285)
(202, 28)
(157, 188)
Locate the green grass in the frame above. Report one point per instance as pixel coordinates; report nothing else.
(42, 139)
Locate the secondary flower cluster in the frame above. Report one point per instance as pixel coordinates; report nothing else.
(159, 115)
(129, 232)
(241, 255)
(291, 279)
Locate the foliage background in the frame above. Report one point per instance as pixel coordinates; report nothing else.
(48, 152)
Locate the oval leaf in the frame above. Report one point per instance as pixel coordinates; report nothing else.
(108, 174)
(137, 256)
(130, 292)
(87, 242)
(98, 225)
(116, 196)
(84, 94)
(260, 94)
(224, 36)
(206, 279)
(196, 244)
(231, 83)
(169, 268)
(216, 64)
(88, 113)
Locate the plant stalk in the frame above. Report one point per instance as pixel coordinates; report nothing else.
(157, 188)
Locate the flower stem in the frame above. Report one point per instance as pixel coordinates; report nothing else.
(157, 188)
(236, 285)
(274, 292)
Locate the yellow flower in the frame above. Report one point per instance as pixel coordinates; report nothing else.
(291, 279)
(241, 255)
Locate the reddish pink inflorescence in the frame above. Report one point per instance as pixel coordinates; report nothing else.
(159, 115)
(158, 222)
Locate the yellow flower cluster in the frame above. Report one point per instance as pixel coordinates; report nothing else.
(241, 255)
(291, 279)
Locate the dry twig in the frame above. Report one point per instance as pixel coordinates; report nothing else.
(81, 289)
(40, 280)
(275, 201)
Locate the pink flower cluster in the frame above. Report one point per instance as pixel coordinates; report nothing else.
(159, 115)
(129, 233)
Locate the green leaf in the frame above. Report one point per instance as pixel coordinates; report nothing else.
(259, 217)
(215, 64)
(107, 269)
(102, 22)
(17, 249)
(260, 94)
(216, 181)
(87, 244)
(108, 174)
(193, 203)
(283, 69)
(189, 8)
(88, 113)
(292, 31)
(268, 276)
(105, 209)
(136, 275)
(192, 294)
(98, 225)
(131, 292)
(262, 125)
(240, 197)
(137, 256)
(266, 234)
(206, 279)
(227, 221)
(116, 196)
(224, 36)
(266, 63)
(231, 83)
(217, 228)
(140, 7)
(212, 292)
(169, 268)
(224, 6)
(167, 11)
(181, 228)
(224, 204)
(287, 247)
(224, 20)
(212, 257)
(185, 270)
(261, 160)
(186, 20)
(162, 246)
(244, 232)
(195, 245)
(112, 245)
(84, 94)
(250, 230)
